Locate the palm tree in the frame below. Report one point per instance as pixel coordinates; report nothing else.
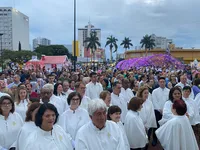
(93, 43)
(147, 42)
(112, 42)
(126, 43)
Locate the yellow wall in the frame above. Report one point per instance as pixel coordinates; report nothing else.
(77, 49)
(187, 55)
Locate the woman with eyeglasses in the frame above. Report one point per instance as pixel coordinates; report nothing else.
(74, 117)
(10, 123)
(48, 135)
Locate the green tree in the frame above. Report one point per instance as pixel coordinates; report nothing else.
(18, 56)
(53, 50)
(126, 43)
(92, 43)
(112, 42)
(147, 42)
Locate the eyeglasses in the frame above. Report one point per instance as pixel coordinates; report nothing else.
(75, 99)
(6, 104)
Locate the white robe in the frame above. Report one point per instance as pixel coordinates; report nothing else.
(56, 139)
(135, 130)
(9, 129)
(197, 101)
(89, 137)
(121, 127)
(159, 97)
(84, 102)
(147, 114)
(93, 90)
(177, 134)
(127, 94)
(71, 121)
(25, 131)
(21, 108)
(121, 102)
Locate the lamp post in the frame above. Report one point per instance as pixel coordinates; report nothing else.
(1, 34)
(74, 35)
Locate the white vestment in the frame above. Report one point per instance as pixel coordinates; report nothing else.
(197, 101)
(84, 102)
(9, 129)
(21, 108)
(56, 139)
(58, 103)
(127, 94)
(89, 137)
(135, 130)
(159, 97)
(25, 131)
(93, 90)
(147, 114)
(121, 102)
(71, 121)
(177, 134)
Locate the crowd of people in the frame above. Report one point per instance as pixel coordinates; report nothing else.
(106, 109)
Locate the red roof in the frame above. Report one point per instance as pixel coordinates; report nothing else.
(53, 59)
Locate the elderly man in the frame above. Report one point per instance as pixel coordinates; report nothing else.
(48, 96)
(99, 134)
(118, 99)
(16, 81)
(80, 88)
(93, 89)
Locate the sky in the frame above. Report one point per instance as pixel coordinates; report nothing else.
(53, 19)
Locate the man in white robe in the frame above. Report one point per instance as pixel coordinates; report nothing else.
(99, 134)
(118, 99)
(93, 88)
(126, 91)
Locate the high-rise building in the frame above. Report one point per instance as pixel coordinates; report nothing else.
(40, 41)
(14, 26)
(161, 42)
(83, 33)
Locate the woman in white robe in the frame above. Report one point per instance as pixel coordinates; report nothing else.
(75, 117)
(114, 114)
(10, 123)
(28, 127)
(147, 112)
(177, 133)
(134, 126)
(21, 104)
(174, 94)
(48, 136)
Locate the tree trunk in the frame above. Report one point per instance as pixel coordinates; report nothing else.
(145, 52)
(110, 54)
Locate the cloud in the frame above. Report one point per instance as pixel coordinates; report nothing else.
(176, 19)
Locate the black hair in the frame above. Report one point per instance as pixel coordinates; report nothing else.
(187, 88)
(11, 100)
(41, 111)
(55, 88)
(93, 73)
(71, 95)
(172, 91)
(113, 109)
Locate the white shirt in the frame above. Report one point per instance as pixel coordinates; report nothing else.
(159, 97)
(84, 102)
(58, 103)
(71, 121)
(21, 108)
(93, 90)
(128, 94)
(56, 139)
(9, 129)
(135, 130)
(147, 114)
(195, 119)
(197, 101)
(177, 134)
(89, 137)
(121, 102)
(25, 131)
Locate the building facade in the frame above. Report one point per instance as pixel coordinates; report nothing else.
(14, 26)
(161, 42)
(40, 41)
(83, 33)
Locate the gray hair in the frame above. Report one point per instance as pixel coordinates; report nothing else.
(48, 86)
(95, 105)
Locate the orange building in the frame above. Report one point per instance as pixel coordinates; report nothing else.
(185, 55)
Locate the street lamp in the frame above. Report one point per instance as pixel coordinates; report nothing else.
(1, 34)
(74, 35)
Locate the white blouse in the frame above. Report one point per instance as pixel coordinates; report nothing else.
(9, 129)
(21, 108)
